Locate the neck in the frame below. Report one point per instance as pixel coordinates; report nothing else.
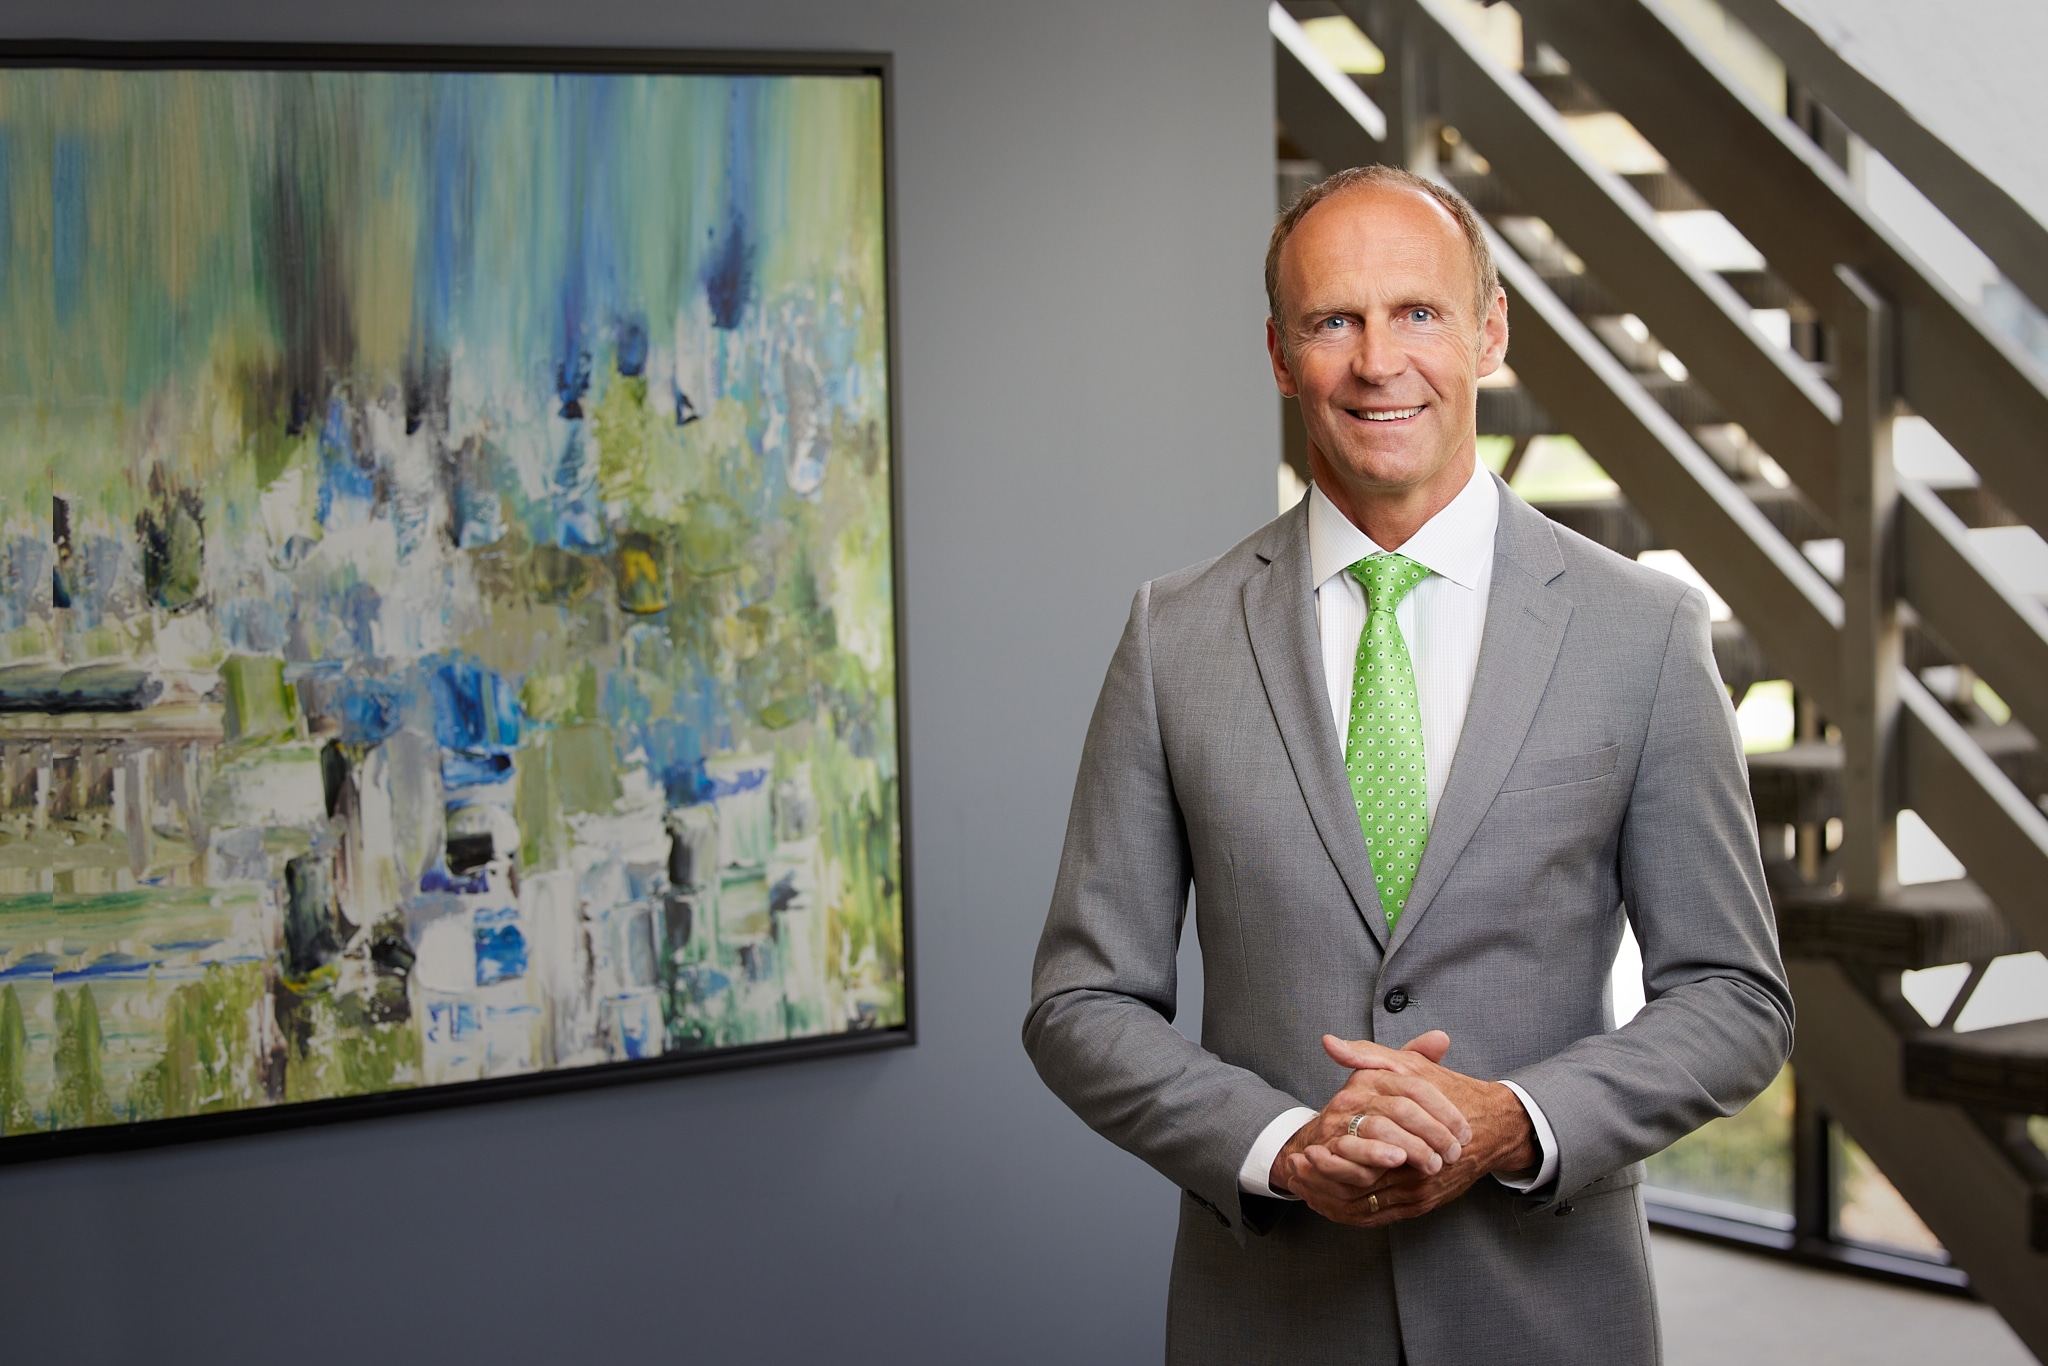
(1390, 516)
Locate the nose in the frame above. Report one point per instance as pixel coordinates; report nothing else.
(1380, 355)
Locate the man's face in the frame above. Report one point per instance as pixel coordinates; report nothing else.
(1382, 341)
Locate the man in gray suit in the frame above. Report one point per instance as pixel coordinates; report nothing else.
(1419, 751)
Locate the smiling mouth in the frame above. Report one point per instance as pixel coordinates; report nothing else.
(1389, 414)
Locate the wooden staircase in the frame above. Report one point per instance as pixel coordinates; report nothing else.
(1602, 301)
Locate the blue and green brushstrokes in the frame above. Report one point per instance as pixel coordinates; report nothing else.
(445, 580)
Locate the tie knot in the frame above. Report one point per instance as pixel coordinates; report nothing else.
(1387, 579)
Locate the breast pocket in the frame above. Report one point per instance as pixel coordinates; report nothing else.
(1557, 770)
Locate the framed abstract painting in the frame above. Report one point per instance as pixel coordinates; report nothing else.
(448, 578)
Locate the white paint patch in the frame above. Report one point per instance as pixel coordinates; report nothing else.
(282, 787)
(285, 509)
(446, 949)
(360, 554)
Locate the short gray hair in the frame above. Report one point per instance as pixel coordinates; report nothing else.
(1385, 177)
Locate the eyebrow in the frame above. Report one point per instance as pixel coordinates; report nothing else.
(1444, 304)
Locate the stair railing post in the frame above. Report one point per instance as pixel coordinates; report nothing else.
(1866, 513)
(1407, 91)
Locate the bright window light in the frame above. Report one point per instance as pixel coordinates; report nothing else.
(2017, 554)
(1292, 489)
(1767, 717)
(1826, 555)
(1625, 981)
(1710, 240)
(1557, 469)
(1931, 991)
(2015, 988)
(1346, 45)
(1614, 143)
(1922, 855)
(1920, 452)
(1678, 567)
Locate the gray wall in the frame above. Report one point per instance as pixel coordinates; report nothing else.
(1084, 191)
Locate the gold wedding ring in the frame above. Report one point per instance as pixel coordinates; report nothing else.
(1352, 1127)
(1372, 1204)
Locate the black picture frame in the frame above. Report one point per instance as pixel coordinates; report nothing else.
(509, 59)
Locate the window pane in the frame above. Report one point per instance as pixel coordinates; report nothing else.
(1868, 1209)
(1746, 1158)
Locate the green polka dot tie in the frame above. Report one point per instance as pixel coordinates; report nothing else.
(1383, 747)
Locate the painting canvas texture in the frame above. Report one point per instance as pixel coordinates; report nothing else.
(446, 580)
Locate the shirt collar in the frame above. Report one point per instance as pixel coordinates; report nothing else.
(1456, 544)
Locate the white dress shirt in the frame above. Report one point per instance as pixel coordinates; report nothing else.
(1441, 620)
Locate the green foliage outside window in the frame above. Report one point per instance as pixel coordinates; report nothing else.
(1745, 1158)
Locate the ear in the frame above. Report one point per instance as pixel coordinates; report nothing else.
(1493, 335)
(1283, 375)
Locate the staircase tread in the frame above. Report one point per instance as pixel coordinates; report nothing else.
(1953, 897)
(1921, 926)
(1599, 500)
(2003, 1068)
(2025, 1041)
(1805, 754)
(1995, 739)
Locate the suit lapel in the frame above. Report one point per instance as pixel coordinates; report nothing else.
(1525, 625)
(1280, 617)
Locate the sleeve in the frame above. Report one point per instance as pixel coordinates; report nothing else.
(1718, 1023)
(1546, 1145)
(1103, 985)
(1255, 1177)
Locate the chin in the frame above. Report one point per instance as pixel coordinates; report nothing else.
(1389, 469)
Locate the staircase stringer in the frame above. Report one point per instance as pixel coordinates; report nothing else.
(1979, 389)
(1773, 394)
(1963, 1185)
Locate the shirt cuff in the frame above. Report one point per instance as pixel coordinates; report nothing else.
(1252, 1177)
(1546, 1144)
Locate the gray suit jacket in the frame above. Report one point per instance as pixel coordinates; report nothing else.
(1600, 773)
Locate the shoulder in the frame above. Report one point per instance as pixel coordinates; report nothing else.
(1644, 623)
(1598, 578)
(1616, 602)
(1216, 584)
(1589, 575)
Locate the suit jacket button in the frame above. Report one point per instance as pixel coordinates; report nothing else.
(1563, 1210)
(1397, 1000)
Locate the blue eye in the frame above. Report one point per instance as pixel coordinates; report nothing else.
(1419, 315)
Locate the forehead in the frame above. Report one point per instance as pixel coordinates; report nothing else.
(1376, 239)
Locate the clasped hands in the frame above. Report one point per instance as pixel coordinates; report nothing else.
(1426, 1135)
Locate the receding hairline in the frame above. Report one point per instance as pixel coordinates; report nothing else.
(1486, 278)
(1352, 192)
